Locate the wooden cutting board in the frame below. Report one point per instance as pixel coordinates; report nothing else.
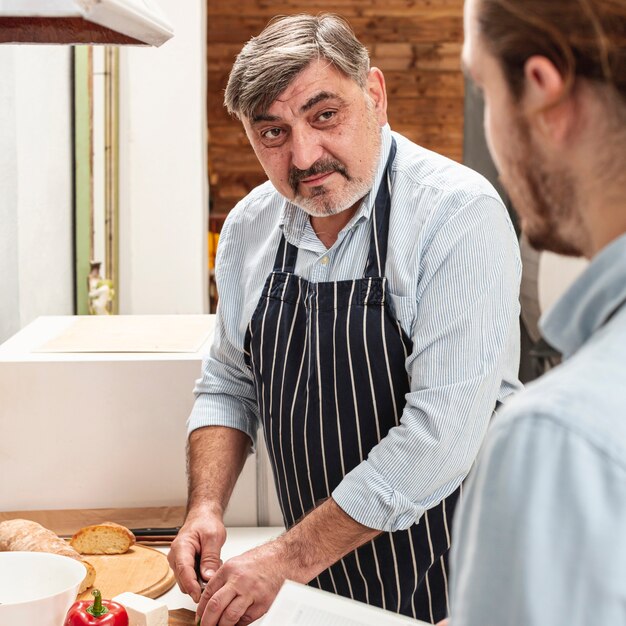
(185, 617)
(141, 570)
(182, 617)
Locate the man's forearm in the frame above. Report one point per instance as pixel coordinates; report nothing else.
(215, 458)
(323, 537)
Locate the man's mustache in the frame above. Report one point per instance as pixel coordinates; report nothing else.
(319, 167)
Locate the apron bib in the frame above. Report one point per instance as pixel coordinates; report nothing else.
(328, 361)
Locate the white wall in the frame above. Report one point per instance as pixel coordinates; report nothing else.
(163, 176)
(163, 169)
(35, 185)
(556, 274)
(9, 311)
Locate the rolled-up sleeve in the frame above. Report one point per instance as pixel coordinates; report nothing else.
(225, 392)
(465, 343)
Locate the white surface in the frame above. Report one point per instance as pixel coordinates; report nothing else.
(52, 8)
(132, 333)
(143, 611)
(138, 19)
(23, 346)
(35, 185)
(301, 605)
(117, 420)
(37, 588)
(163, 170)
(99, 430)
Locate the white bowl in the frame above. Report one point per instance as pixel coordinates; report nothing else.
(37, 588)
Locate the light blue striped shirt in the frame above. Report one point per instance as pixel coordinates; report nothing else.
(453, 271)
(540, 537)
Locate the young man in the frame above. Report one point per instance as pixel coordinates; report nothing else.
(367, 322)
(540, 536)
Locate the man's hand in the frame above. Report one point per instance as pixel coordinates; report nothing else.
(215, 456)
(196, 550)
(245, 586)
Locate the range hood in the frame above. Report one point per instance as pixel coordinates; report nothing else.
(114, 22)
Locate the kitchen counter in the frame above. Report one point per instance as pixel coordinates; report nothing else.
(56, 404)
(135, 403)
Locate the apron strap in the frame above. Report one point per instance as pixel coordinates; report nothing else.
(286, 256)
(377, 256)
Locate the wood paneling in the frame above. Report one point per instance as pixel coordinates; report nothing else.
(417, 44)
(348, 8)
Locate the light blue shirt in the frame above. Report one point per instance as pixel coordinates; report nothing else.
(453, 270)
(541, 535)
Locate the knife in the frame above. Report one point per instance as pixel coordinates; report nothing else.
(156, 534)
(143, 532)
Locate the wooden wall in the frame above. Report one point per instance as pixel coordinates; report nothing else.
(417, 44)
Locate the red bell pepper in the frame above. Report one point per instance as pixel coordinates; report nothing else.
(99, 613)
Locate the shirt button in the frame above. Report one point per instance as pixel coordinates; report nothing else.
(324, 260)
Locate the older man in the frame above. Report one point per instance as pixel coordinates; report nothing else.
(367, 322)
(540, 536)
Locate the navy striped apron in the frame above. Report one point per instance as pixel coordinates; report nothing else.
(328, 361)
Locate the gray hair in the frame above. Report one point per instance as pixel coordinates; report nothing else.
(269, 62)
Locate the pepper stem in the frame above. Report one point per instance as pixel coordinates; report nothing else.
(97, 609)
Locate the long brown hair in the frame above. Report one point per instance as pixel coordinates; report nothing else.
(583, 38)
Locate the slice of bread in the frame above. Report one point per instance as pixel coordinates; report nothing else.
(105, 538)
(90, 578)
(26, 535)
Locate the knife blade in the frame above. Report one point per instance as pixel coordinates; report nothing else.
(172, 531)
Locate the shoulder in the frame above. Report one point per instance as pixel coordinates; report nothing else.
(249, 237)
(260, 202)
(253, 218)
(421, 167)
(440, 190)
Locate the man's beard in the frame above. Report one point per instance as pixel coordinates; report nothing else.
(544, 196)
(323, 202)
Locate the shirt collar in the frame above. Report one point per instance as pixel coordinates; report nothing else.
(590, 301)
(294, 220)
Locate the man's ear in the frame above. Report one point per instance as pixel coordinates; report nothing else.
(378, 93)
(548, 104)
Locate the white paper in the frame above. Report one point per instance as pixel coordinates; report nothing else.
(301, 605)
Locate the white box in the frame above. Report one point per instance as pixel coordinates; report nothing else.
(99, 430)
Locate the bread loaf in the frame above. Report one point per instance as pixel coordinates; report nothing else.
(22, 534)
(105, 538)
